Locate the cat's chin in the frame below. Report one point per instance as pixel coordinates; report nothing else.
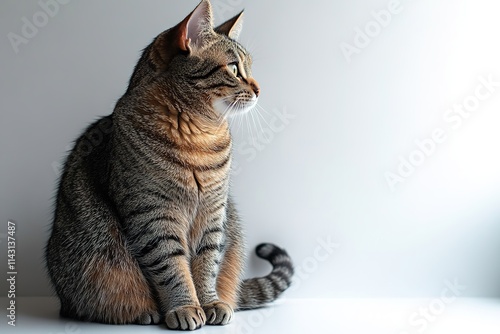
(229, 109)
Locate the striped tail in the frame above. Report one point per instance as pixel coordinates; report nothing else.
(256, 292)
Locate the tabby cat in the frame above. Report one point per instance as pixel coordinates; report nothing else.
(144, 229)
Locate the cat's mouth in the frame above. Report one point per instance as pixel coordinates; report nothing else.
(228, 108)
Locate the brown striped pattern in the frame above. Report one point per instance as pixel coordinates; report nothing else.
(144, 228)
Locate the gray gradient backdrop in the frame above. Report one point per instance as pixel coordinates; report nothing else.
(311, 176)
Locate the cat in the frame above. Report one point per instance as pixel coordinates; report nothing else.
(144, 229)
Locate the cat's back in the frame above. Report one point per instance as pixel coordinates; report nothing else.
(85, 176)
(90, 154)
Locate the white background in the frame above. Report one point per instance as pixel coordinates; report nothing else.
(321, 176)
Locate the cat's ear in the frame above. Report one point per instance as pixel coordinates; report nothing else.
(197, 28)
(193, 32)
(232, 27)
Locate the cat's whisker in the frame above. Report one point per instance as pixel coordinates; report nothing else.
(255, 125)
(250, 45)
(224, 115)
(232, 118)
(258, 116)
(238, 115)
(249, 126)
(263, 109)
(229, 106)
(258, 109)
(239, 121)
(227, 111)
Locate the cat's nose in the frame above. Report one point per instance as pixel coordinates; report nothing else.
(255, 86)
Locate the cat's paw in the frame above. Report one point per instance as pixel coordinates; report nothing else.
(148, 318)
(185, 318)
(218, 313)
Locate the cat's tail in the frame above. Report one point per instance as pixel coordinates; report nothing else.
(256, 292)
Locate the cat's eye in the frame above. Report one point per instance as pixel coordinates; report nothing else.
(233, 67)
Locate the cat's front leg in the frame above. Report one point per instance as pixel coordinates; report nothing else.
(205, 264)
(158, 241)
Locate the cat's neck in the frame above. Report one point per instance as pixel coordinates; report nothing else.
(187, 127)
(163, 121)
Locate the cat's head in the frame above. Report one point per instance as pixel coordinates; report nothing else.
(202, 68)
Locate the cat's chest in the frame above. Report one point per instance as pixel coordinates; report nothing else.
(207, 183)
(198, 156)
(205, 171)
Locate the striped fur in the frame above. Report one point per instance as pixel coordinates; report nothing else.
(145, 229)
(259, 291)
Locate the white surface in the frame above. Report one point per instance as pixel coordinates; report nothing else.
(322, 174)
(295, 316)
